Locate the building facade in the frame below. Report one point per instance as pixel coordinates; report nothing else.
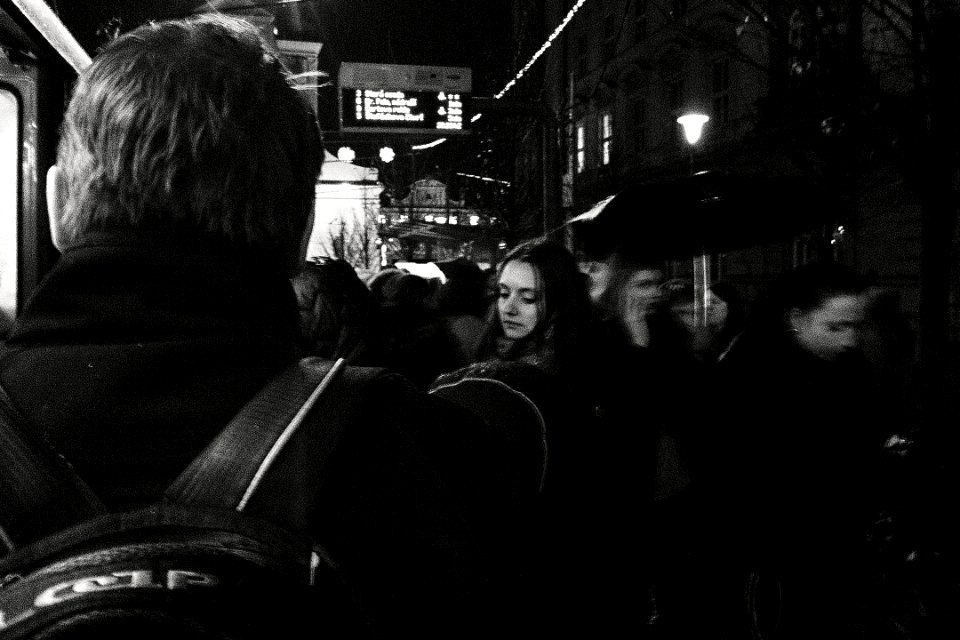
(791, 88)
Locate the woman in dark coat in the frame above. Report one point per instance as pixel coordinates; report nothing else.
(803, 456)
(541, 340)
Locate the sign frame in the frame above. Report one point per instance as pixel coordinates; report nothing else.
(368, 87)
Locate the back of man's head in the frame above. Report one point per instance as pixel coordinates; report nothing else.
(190, 127)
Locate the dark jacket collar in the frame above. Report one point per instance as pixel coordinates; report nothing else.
(135, 352)
(115, 286)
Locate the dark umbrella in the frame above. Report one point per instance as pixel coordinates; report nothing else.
(709, 212)
(698, 215)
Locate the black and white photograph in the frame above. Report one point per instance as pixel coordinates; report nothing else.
(475, 319)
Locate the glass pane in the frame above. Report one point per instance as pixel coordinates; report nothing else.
(9, 161)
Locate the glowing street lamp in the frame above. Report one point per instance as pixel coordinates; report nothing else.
(692, 124)
(387, 154)
(346, 154)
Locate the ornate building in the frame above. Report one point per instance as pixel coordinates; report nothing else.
(791, 89)
(427, 225)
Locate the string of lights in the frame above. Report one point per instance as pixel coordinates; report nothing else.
(427, 145)
(543, 48)
(483, 178)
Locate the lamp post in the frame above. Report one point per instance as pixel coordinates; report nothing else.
(692, 124)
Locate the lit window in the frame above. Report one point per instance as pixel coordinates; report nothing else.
(796, 29)
(581, 148)
(9, 161)
(606, 137)
(797, 37)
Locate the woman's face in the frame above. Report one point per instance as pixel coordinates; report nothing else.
(830, 330)
(520, 299)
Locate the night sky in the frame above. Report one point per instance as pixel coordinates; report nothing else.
(454, 33)
(460, 33)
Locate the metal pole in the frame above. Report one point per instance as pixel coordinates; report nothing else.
(701, 277)
(701, 288)
(56, 33)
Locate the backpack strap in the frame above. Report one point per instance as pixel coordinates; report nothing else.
(39, 491)
(232, 467)
(201, 549)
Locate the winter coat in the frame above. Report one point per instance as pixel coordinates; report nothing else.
(135, 352)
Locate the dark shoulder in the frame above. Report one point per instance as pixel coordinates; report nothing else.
(510, 373)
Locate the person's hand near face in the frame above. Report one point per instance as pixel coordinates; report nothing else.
(641, 296)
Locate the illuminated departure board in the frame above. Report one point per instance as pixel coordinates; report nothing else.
(385, 109)
(404, 99)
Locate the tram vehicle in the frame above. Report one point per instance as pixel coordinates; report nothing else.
(36, 69)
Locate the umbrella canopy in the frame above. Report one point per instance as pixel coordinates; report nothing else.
(709, 212)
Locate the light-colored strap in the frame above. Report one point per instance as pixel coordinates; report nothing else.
(228, 472)
(288, 432)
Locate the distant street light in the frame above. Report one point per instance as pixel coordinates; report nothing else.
(346, 154)
(387, 154)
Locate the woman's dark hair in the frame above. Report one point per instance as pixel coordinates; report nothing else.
(810, 285)
(804, 288)
(463, 292)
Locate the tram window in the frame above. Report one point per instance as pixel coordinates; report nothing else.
(9, 161)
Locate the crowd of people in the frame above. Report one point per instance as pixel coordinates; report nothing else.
(695, 455)
(685, 459)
